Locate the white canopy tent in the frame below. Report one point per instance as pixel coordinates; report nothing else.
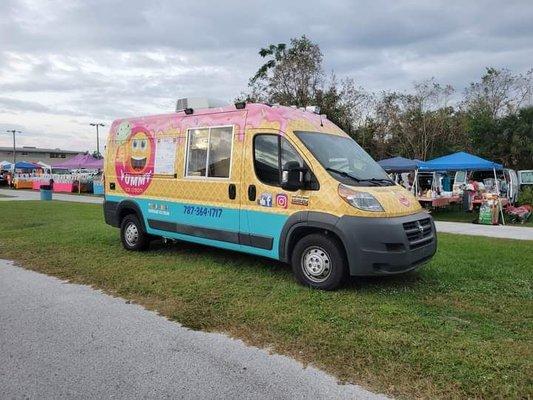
(4, 163)
(46, 167)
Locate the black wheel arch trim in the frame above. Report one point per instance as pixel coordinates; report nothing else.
(113, 210)
(129, 204)
(306, 219)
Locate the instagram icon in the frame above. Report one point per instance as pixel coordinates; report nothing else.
(282, 200)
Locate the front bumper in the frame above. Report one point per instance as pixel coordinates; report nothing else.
(387, 246)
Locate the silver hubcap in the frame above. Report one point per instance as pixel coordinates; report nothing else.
(316, 264)
(131, 234)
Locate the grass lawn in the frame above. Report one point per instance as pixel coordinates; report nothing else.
(460, 327)
(456, 214)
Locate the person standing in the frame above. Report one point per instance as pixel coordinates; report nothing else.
(410, 181)
(471, 191)
(446, 183)
(9, 178)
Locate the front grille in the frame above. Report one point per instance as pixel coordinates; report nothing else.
(419, 233)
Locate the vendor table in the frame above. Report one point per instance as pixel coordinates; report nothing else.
(22, 184)
(436, 202)
(37, 184)
(455, 199)
(65, 187)
(504, 201)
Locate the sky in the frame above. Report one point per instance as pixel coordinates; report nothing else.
(65, 64)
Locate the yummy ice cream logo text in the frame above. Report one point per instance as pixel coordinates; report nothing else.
(134, 163)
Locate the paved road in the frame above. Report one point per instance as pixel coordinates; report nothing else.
(60, 340)
(506, 232)
(35, 195)
(496, 231)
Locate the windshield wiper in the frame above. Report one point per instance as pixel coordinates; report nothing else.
(380, 180)
(347, 175)
(375, 181)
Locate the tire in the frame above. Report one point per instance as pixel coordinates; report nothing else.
(318, 261)
(132, 234)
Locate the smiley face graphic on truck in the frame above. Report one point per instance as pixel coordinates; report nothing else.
(135, 165)
(139, 151)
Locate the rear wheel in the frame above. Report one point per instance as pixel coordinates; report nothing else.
(132, 235)
(318, 261)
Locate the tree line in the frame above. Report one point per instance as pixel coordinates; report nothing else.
(492, 117)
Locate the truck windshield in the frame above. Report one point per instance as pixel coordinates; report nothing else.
(344, 159)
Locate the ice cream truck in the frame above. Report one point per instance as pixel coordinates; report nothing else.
(279, 182)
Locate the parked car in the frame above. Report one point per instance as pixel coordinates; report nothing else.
(525, 177)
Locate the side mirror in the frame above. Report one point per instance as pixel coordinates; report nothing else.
(292, 176)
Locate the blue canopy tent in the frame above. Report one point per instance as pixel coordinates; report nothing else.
(462, 161)
(399, 164)
(459, 161)
(26, 165)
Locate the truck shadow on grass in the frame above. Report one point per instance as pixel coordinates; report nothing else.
(234, 260)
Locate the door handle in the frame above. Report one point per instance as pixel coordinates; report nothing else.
(232, 191)
(251, 193)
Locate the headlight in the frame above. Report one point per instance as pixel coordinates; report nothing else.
(361, 200)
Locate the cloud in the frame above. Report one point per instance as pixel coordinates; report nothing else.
(9, 104)
(77, 61)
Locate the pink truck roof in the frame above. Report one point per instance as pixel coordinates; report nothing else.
(253, 116)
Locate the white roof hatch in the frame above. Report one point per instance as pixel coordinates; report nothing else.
(197, 103)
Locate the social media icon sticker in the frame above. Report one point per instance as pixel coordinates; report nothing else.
(282, 200)
(265, 200)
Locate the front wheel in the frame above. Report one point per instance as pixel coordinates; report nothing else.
(318, 261)
(132, 235)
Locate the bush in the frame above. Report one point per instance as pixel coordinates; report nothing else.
(526, 195)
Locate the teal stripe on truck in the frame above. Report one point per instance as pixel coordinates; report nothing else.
(221, 227)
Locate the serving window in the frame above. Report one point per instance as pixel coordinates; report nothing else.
(209, 152)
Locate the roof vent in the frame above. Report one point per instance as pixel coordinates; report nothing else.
(197, 103)
(313, 109)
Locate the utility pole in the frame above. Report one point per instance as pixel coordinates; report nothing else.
(14, 132)
(97, 124)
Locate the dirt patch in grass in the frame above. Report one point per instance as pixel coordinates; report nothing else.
(460, 327)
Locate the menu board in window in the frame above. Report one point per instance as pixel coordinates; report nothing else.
(165, 156)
